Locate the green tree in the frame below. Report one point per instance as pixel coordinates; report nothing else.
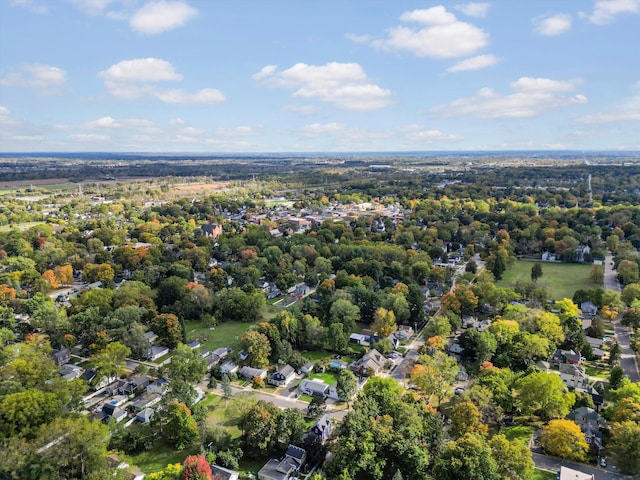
(227, 392)
(181, 429)
(291, 426)
(344, 312)
(434, 375)
(259, 427)
(536, 272)
(630, 293)
(513, 459)
(384, 323)
(615, 377)
(564, 439)
(168, 328)
(186, 365)
(23, 412)
(258, 348)
(625, 445)
(469, 457)
(465, 418)
(543, 394)
(346, 385)
(111, 361)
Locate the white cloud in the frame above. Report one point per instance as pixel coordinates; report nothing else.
(442, 36)
(532, 97)
(45, 78)
(355, 38)
(552, 25)
(93, 7)
(177, 95)
(31, 5)
(131, 79)
(301, 109)
(345, 85)
(6, 119)
(605, 11)
(626, 111)
(89, 137)
(176, 122)
(474, 63)
(141, 70)
(240, 131)
(161, 16)
(473, 9)
(106, 123)
(420, 135)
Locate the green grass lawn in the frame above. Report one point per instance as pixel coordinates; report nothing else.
(543, 475)
(160, 456)
(518, 433)
(328, 377)
(596, 372)
(560, 279)
(224, 334)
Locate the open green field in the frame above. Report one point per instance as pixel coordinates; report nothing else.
(224, 334)
(327, 377)
(560, 279)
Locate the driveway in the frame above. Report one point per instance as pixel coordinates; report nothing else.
(628, 360)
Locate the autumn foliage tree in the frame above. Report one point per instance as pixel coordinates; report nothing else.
(564, 439)
(196, 467)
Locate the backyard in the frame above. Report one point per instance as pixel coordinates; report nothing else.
(560, 279)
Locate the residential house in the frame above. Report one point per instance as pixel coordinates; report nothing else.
(571, 474)
(70, 372)
(145, 401)
(306, 368)
(111, 411)
(322, 428)
(212, 230)
(566, 356)
(229, 367)
(359, 339)
(211, 359)
(250, 373)
(133, 383)
(131, 472)
(61, 356)
(314, 387)
(151, 337)
(158, 386)
(590, 423)
(574, 376)
(283, 376)
(370, 363)
(221, 473)
(293, 460)
(589, 309)
(145, 415)
(404, 332)
(193, 345)
(221, 352)
(155, 352)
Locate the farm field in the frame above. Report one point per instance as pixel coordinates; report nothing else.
(560, 279)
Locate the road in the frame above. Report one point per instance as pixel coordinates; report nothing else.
(628, 360)
(545, 462)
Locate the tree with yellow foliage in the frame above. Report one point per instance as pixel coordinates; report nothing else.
(564, 439)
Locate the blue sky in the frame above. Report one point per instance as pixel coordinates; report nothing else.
(319, 75)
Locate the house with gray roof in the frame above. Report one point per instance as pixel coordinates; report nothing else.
(250, 373)
(283, 376)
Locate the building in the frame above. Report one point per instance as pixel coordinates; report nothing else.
(61, 356)
(293, 460)
(283, 376)
(571, 474)
(371, 363)
(251, 373)
(322, 428)
(221, 473)
(314, 387)
(229, 367)
(212, 230)
(155, 353)
(588, 309)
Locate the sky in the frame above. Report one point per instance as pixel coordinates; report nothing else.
(318, 75)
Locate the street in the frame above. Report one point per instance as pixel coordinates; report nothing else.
(628, 360)
(545, 462)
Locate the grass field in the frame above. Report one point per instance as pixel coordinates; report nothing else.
(560, 279)
(543, 475)
(224, 334)
(327, 377)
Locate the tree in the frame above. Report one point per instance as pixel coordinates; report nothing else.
(336, 338)
(564, 439)
(291, 426)
(543, 394)
(64, 274)
(258, 348)
(168, 328)
(630, 293)
(615, 377)
(478, 346)
(384, 322)
(631, 318)
(171, 472)
(465, 418)
(227, 393)
(344, 312)
(259, 427)
(596, 275)
(186, 365)
(196, 467)
(50, 278)
(513, 459)
(347, 385)
(615, 352)
(181, 429)
(628, 271)
(469, 457)
(23, 412)
(110, 361)
(536, 272)
(625, 445)
(434, 375)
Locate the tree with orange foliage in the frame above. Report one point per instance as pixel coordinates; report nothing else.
(196, 467)
(6, 294)
(64, 274)
(609, 313)
(50, 277)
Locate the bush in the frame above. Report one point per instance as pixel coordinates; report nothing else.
(258, 382)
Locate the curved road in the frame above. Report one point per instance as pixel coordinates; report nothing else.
(628, 360)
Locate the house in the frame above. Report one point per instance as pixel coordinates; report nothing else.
(314, 387)
(70, 372)
(294, 459)
(566, 356)
(159, 386)
(306, 368)
(571, 474)
(145, 415)
(404, 332)
(229, 367)
(193, 345)
(371, 362)
(133, 383)
(242, 355)
(114, 388)
(155, 353)
(221, 352)
(145, 401)
(586, 415)
(283, 376)
(574, 376)
(221, 473)
(61, 356)
(250, 373)
(212, 230)
(359, 339)
(211, 359)
(112, 411)
(322, 428)
(589, 309)
(151, 337)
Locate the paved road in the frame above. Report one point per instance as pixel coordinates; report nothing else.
(628, 360)
(545, 462)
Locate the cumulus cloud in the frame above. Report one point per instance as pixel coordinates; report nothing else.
(532, 97)
(107, 123)
(473, 9)
(474, 63)
(605, 11)
(161, 16)
(420, 135)
(344, 85)
(552, 25)
(626, 111)
(131, 79)
(89, 137)
(45, 78)
(441, 35)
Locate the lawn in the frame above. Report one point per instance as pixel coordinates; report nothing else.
(543, 475)
(327, 377)
(560, 279)
(224, 334)
(593, 371)
(160, 456)
(519, 433)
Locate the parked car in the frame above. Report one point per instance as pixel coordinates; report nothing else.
(458, 390)
(603, 462)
